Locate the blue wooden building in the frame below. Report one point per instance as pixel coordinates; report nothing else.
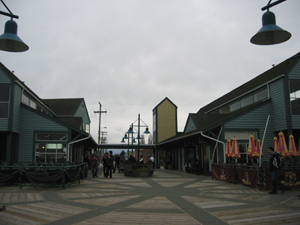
(35, 129)
(264, 106)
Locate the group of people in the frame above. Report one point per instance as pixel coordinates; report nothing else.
(108, 166)
(108, 163)
(141, 160)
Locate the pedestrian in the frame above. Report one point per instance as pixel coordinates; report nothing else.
(152, 160)
(275, 171)
(132, 159)
(117, 163)
(94, 159)
(193, 166)
(111, 164)
(105, 162)
(141, 161)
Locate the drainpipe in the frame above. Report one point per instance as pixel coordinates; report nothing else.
(70, 143)
(262, 143)
(216, 141)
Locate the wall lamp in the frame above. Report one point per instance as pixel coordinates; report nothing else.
(9, 41)
(270, 33)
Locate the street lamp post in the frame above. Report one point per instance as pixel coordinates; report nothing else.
(127, 136)
(130, 131)
(138, 136)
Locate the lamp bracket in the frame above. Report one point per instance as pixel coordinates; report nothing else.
(10, 14)
(271, 5)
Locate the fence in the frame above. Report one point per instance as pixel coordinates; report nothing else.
(42, 174)
(255, 176)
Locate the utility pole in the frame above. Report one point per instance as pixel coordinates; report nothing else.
(99, 131)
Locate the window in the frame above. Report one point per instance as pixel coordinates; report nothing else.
(87, 128)
(243, 147)
(234, 106)
(261, 95)
(247, 101)
(295, 96)
(51, 137)
(4, 101)
(27, 101)
(224, 110)
(50, 152)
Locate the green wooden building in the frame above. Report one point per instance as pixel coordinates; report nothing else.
(264, 106)
(35, 129)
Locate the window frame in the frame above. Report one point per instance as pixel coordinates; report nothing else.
(6, 103)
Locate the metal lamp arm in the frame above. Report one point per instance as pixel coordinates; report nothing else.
(271, 5)
(10, 14)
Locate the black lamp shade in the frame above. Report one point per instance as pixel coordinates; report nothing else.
(270, 33)
(9, 41)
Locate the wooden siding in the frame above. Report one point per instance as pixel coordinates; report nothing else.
(295, 71)
(16, 108)
(166, 121)
(4, 79)
(296, 122)
(190, 126)
(31, 122)
(295, 74)
(278, 105)
(255, 120)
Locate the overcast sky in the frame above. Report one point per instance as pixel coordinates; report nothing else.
(131, 54)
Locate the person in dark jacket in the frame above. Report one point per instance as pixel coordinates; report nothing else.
(275, 171)
(111, 163)
(141, 161)
(132, 159)
(117, 163)
(105, 162)
(94, 159)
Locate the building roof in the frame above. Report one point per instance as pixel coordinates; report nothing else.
(263, 78)
(165, 99)
(64, 107)
(204, 121)
(75, 122)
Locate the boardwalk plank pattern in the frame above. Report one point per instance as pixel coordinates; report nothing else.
(168, 197)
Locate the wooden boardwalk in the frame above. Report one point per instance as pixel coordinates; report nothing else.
(169, 197)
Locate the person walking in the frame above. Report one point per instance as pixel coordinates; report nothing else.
(275, 171)
(141, 161)
(94, 159)
(132, 159)
(105, 162)
(117, 163)
(111, 164)
(153, 161)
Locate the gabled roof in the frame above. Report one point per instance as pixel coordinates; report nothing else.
(64, 107)
(165, 99)
(205, 122)
(264, 78)
(202, 121)
(75, 122)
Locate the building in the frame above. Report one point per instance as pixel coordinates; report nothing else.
(35, 129)
(264, 106)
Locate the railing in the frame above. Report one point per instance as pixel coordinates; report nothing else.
(255, 176)
(42, 174)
